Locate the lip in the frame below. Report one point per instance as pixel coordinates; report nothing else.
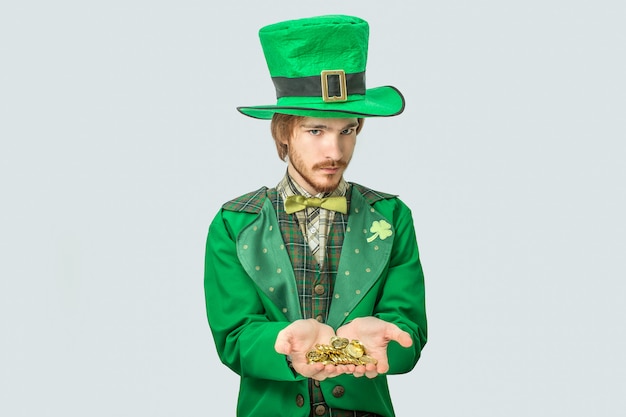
(330, 170)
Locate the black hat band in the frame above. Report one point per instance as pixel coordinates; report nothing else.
(312, 86)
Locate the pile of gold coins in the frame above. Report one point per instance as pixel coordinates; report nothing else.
(340, 351)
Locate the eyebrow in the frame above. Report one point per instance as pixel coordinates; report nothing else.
(311, 126)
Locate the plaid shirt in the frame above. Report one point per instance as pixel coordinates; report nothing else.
(318, 231)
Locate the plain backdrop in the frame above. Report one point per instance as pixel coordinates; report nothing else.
(119, 141)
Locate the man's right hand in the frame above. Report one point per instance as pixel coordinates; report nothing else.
(300, 337)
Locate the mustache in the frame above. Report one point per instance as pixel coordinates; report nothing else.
(330, 164)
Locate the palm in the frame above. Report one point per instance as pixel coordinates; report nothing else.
(303, 335)
(375, 335)
(300, 337)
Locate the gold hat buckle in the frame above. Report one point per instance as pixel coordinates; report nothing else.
(343, 91)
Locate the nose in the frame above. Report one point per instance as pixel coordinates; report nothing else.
(334, 147)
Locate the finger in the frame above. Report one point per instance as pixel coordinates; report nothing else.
(331, 370)
(282, 346)
(327, 371)
(382, 363)
(371, 374)
(372, 371)
(382, 367)
(344, 369)
(319, 376)
(350, 369)
(359, 371)
(372, 367)
(340, 369)
(400, 336)
(310, 370)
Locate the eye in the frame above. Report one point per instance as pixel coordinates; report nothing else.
(315, 132)
(348, 131)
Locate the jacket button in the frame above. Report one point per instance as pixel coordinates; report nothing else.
(319, 289)
(338, 391)
(299, 400)
(320, 410)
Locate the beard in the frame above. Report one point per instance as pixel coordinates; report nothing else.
(328, 182)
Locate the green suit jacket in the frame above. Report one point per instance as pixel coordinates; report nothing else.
(251, 296)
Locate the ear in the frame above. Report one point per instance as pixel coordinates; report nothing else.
(284, 151)
(285, 139)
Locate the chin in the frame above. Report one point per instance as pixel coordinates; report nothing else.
(326, 186)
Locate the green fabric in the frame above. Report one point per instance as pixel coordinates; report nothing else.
(359, 271)
(380, 101)
(305, 47)
(272, 271)
(245, 318)
(301, 48)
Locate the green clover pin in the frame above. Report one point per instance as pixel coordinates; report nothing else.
(381, 229)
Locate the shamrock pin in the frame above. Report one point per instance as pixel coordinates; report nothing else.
(381, 229)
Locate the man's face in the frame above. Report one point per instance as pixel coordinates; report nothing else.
(320, 151)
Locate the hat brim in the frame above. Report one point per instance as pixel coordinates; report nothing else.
(377, 102)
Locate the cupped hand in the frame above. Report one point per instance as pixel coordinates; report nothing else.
(375, 335)
(300, 337)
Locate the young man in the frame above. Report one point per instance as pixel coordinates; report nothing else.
(316, 258)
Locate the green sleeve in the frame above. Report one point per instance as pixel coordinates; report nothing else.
(244, 330)
(402, 298)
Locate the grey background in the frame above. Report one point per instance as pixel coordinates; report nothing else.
(120, 141)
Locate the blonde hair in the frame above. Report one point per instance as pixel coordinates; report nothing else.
(282, 127)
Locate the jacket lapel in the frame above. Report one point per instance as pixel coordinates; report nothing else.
(263, 255)
(365, 254)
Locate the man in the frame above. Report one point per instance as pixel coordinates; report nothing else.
(315, 258)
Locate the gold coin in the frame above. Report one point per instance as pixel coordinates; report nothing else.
(340, 352)
(355, 349)
(339, 342)
(313, 356)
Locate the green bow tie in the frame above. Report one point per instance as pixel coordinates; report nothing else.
(299, 202)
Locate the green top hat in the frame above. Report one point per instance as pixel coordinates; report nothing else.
(318, 69)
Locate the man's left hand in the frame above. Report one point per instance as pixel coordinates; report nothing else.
(375, 335)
